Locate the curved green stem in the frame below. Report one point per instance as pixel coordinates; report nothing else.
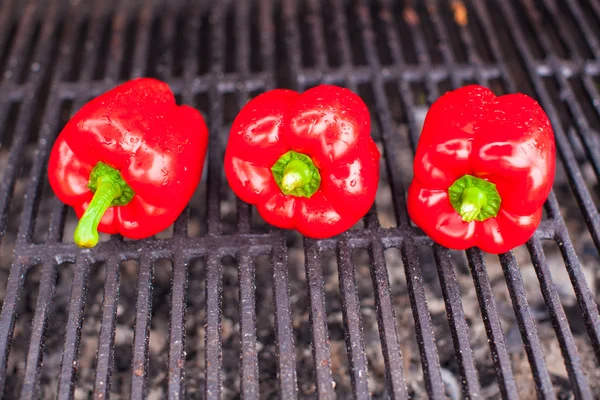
(296, 174)
(110, 189)
(86, 233)
(474, 198)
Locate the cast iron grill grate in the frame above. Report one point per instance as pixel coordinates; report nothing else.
(260, 312)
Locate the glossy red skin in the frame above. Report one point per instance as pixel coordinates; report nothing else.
(332, 126)
(506, 140)
(157, 146)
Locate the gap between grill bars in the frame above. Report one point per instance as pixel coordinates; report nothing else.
(221, 304)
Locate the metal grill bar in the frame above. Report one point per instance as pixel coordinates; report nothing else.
(230, 81)
(267, 41)
(7, 317)
(529, 333)
(423, 327)
(458, 323)
(142, 40)
(249, 376)
(194, 247)
(190, 61)
(212, 339)
(317, 35)
(340, 25)
(167, 35)
(292, 40)
(69, 362)
(386, 319)
(5, 25)
(177, 327)
(410, 73)
(215, 122)
(286, 366)
(318, 320)
(493, 328)
(105, 356)
(92, 42)
(57, 220)
(70, 359)
(141, 336)
(585, 298)
(559, 320)
(180, 226)
(115, 50)
(355, 341)
(36, 343)
(241, 62)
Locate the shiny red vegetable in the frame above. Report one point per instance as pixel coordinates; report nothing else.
(129, 161)
(307, 161)
(483, 169)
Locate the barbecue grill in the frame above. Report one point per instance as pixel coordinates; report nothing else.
(222, 305)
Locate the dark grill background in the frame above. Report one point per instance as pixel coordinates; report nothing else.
(222, 304)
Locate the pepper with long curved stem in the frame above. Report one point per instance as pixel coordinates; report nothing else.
(128, 161)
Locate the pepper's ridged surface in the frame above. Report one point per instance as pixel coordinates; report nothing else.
(154, 146)
(471, 136)
(329, 128)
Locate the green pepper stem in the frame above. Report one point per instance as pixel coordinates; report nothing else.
(474, 198)
(86, 233)
(296, 174)
(110, 189)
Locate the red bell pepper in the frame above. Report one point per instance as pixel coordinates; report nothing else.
(483, 169)
(307, 161)
(129, 161)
